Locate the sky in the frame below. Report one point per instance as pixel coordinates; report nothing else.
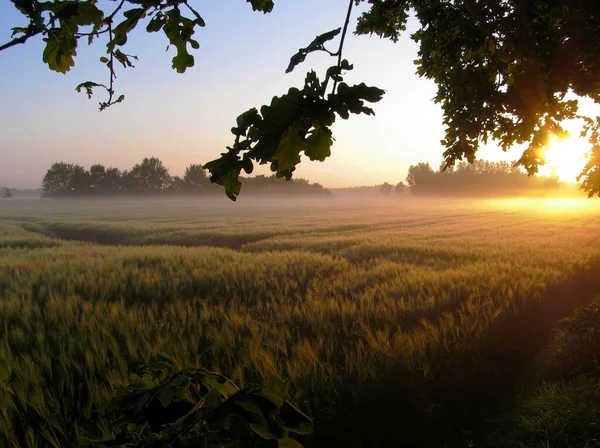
(187, 118)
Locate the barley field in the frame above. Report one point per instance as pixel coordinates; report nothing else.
(390, 321)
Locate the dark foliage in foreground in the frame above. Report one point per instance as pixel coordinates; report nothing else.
(578, 342)
(164, 407)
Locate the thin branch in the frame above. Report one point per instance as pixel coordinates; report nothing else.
(111, 90)
(114, 13)
(92, 33)
(340, 50)
(344, 31)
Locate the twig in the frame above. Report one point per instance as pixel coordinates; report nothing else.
(111, 67)
(114, 13)
(92, 33)
(344, 31)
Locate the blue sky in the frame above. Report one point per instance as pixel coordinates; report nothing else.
(187, 118)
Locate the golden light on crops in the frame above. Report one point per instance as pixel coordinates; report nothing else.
(565, 158)
(538, 205)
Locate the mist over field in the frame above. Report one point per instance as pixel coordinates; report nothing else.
(384, 318)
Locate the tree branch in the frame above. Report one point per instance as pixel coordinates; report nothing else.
(344, 32)
(19, 40)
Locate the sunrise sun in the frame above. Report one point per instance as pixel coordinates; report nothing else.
(565, 158)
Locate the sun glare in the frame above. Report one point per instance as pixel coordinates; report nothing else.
(565, 158)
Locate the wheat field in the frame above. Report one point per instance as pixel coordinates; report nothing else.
(385, 319)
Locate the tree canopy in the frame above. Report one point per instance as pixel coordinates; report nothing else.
(511, 71)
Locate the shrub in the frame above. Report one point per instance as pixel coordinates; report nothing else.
(577, 349)
(196, 407)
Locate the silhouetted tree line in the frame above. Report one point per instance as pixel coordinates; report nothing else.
(480, 177)
(151, 177)
(272, 184)
(25, 193)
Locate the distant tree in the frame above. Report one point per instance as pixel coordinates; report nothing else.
(195, 177)
(66, 179)
(386, 188)
(318, 187)
(419, 174)
(57, 180)
(96, 181)
(6, 193)
(400, 187)
(150, 175)
(80, 180)
(111, 181)
(176, 184)
(129, 183)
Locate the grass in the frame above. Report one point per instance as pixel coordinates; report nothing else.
(396, 322)
(561, 415)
